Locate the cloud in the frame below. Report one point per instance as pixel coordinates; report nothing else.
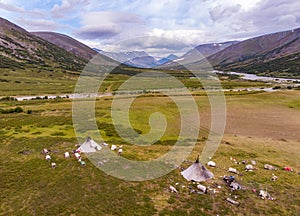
(267, 17)
(97, 32)
(12, 8)
(38, 24)
(67, 6)
(7, 6)
(276, 15)
(223, 12)
(152, 42)
(189, 37)
(109, 17)
(104, 25)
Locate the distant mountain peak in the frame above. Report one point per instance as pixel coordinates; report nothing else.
(132, 58)
(172, 56)
(197, 53)
(167, 59)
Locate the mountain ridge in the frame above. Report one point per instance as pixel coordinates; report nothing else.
(49, 50)
(67, 43)
(19, 48)
(263, 54)
(199, 52)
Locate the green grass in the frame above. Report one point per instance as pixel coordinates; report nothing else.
(30, 187)
(43, 81)
(36, 82)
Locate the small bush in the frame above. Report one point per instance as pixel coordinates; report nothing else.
(18, 110)
(8, 111)
(8, 99)
(277, 87)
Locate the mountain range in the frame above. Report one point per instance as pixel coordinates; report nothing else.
(132, 58)
(139, 59)
(276, 53)
(199, 52)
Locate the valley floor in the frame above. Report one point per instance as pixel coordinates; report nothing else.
(262, 127)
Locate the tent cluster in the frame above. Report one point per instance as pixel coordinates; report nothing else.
(48, 158)
(115, 148)
(66, 155)
(197, 173)
(88, 146)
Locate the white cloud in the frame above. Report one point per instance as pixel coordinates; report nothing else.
(109, 17)
(223, 12)
(98, 32)
(38, 25)
(266, 16)
(104, 25)
(66, 6)
(189, 37)
(9, 6)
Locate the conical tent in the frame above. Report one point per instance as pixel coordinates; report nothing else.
(197, 172)
(89, 146)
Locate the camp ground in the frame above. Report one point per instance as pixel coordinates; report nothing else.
(30, 184)
(89, 146)
(196, 179)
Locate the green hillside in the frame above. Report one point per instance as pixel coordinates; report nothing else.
(20, 49)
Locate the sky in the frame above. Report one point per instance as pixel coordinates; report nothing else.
(159, 27)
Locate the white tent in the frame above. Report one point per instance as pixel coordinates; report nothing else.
(48, 157)
(113, 147)
(66, 154)
(197, 172)
(89, 146)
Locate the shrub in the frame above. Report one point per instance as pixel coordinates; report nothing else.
(8, 99)
(277, 87)
(8, 111)
(18, 110)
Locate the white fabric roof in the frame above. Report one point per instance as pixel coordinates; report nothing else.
(197, 172)
(89, 146)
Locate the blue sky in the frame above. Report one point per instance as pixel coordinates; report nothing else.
(104, 23)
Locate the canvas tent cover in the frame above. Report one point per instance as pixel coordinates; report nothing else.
(197, 172)
(89, 146)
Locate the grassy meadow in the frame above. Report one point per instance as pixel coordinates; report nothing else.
(261, 126)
